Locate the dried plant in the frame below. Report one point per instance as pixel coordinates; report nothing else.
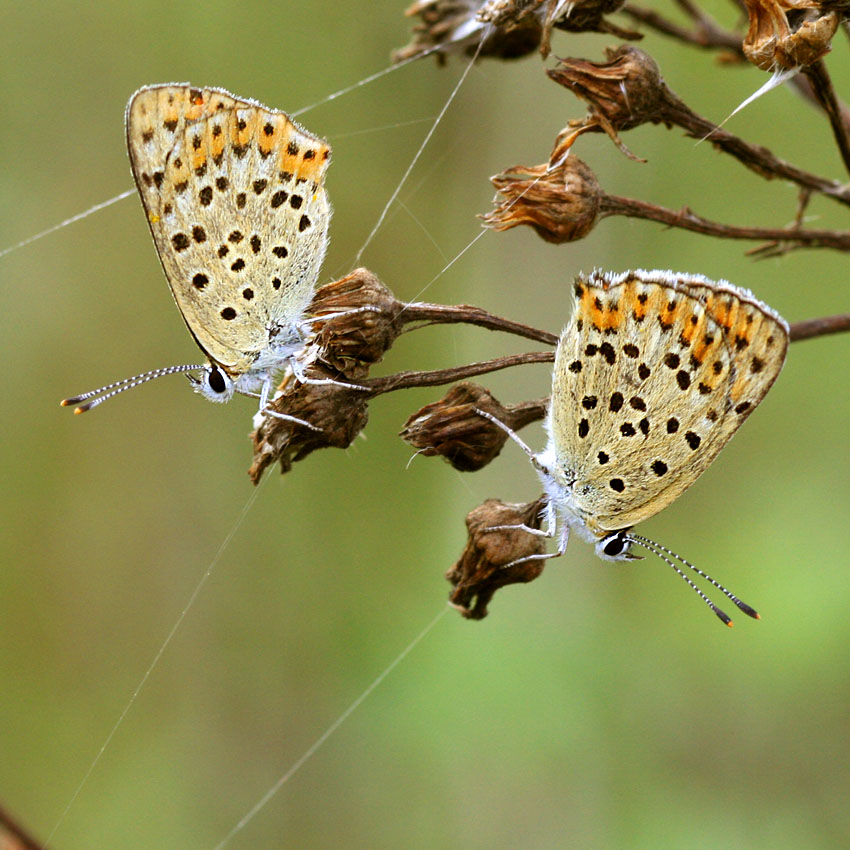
(562, 200)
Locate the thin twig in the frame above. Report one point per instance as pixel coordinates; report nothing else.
(824, 93)
(823, 326)
(688, 220)
(433, 314)
(755, 157)
(18, 833)
(707, 34)
(436, 377)
(628, 90)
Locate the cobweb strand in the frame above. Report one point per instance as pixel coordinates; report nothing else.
(71, 220)
(156, 659)
(422, 147)
(299, 763)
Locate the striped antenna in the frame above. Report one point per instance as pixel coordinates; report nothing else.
(663, 552)
(111, 390)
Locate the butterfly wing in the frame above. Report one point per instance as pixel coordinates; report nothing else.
(653, 376)
(234, 195)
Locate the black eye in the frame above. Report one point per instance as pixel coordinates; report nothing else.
(614, 546)
(216, 381)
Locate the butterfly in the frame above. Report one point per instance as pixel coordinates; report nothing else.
(653, 375)
(234, 196)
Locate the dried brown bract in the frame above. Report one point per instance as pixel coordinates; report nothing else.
(628, 90)
(452, 26)
(575, 16)
(562, 203)
(622, 93)
(338, 413)
(364, 319)
(509, 28)
(509, 13)
(779, 41)
(452, 428)
(583, 16)
(482, 568)
(371, 321)
(586, 16)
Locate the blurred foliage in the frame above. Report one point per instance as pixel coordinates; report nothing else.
(601, 706)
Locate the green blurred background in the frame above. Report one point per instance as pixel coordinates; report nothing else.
(602, 706)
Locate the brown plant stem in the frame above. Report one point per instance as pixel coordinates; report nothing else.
(688, 220)
(434, 314)
(823, 326)
(754, 157)
(707, 35)
(24, 840)
(824, 93)
(628, 90)
(436, 377)
(805, 329)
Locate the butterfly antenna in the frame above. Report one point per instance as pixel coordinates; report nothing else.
(658, 548)
(111, 390)
(659, 551)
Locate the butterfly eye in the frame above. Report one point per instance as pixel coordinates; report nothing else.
(613, 545)
(216, 381)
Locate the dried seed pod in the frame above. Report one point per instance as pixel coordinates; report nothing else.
(622, 93)
(371, 321)
(483, 566)
(338, 413)
(561, 204)
(452, 25)
(363, 320)
(774, 43)
(576, 16)
(510, 28)
(451, 427)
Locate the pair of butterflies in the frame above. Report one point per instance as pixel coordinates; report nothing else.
(653, 375)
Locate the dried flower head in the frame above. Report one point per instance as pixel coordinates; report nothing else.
(452, 428)
(363, 320)
(487, 562)
(562, 203)
(367, 320)
(337, 415)
(622, 93)
(777, 41)
(509, 28)
(576, 16)
(453, 26)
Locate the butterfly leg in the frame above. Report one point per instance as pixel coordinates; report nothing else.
(328, 316)
(535, 462)
(301, 376)
(563, 539)
(265, 410)
(548, 532)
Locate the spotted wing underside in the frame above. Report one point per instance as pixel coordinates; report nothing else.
(234, 195)
(653, 376)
